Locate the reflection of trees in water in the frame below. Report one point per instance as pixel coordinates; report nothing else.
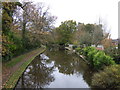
(67, 63)
(71, 64)
(62, 61)
(39, 75)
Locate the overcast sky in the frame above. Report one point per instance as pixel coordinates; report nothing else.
(86, 11)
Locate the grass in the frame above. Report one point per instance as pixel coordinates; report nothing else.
(16, 75)
(14, 61)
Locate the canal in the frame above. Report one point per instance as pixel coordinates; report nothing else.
(56, 69)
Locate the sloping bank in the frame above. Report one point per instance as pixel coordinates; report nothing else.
(11, 82)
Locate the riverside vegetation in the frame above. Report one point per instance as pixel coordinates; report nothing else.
(27, 26)
(108, 72)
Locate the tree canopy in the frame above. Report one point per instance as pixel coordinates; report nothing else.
(65, 31)
(23, 27)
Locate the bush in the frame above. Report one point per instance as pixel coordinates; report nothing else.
(87, 50)
(108, 78)
(96, 58)
(114, 53)
(90, 55)
(79, 50)
(100, 60)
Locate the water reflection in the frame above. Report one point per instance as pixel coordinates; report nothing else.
(59, 70)
(37, 75)
(67, 63)
(44, 57)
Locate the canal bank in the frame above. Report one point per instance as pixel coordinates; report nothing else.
(12, 71)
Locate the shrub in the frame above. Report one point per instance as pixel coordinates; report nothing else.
(97, 58)
(87, 50)
(90, 55)
(108, 78)
(113, 52)
(79, 50)
(100, 60)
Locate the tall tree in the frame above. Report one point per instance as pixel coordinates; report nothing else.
(34, 20)
(27, 7)
(37, 20)
(84, 34)
(97, 35)
(66, 30)
(8, 44)
(89, 34)
(8, 8)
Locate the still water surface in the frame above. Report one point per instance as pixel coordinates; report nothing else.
(56, 69)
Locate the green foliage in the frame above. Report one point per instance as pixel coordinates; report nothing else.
(7, 13)
(10, 43)
(78, 49)
(100, 60)
(88, 34)
(90, 56)
(86, 39)
(13, 43)
(89, 28)
(108, 78)
(66, 30)
(16, 75)
(114, 53)
(97, 59)
(87, 50)
(13, 46)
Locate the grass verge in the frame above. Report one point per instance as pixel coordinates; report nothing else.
(14, 61)
(16, 75)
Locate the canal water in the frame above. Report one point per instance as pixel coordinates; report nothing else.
(56, 69)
